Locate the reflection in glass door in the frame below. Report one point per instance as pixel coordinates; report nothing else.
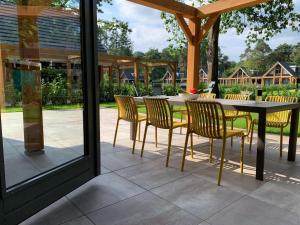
(49, 103)
(41, 88)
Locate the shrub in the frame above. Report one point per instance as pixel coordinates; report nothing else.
(12, 96)
(55, 92)
(170, 90)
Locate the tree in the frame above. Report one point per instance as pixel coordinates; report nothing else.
(139, 54)
(296, 54)
(263, 21)
(259, 58)
(283, 53)
(114, 35)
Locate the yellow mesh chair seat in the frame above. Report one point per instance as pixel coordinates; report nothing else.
(207, 119)
(142, 117)
(277, 119)
(160, 115)
(127, 110)
(232, 115)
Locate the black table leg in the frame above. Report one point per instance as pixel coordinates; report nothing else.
(261, 139)
(293, 135)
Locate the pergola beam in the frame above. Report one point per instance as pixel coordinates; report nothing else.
(223, 6)
(184, 26)
(170, 6)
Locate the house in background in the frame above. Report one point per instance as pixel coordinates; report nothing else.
(281, 73)
(127, 77)
(168, 78)
(203, 75)
(239, 76)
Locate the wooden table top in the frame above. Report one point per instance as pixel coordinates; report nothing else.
(246, 106)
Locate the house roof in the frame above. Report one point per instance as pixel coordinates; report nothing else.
(58, 29)
(168, 74)
(286, 66)
(243, 69)
(129, 75)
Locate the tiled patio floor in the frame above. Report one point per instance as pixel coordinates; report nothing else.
(134, 191)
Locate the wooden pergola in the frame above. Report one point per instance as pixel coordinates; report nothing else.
(125, 62)
(200, 20)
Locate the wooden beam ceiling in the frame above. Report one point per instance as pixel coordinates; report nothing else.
(223, 6)
(170, 6)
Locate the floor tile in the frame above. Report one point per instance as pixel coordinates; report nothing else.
(284, 193)
(144, 209)
(151, 174)
(102, 191)
(79, 221)
(197, 195)
(251, 211)
(57, 213)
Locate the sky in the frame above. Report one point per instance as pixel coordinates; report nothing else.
(148, 30)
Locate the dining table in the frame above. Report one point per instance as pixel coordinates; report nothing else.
(262, 108)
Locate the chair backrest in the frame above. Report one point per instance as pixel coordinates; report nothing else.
(207, 96)
(283, 116)
(206, 118)
(127, 109)
(159, 112)
(238, 97)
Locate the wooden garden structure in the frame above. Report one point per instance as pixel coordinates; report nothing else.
(240, 76)
(196, 23)
(117, 63)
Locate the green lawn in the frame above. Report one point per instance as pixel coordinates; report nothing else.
(240, 123)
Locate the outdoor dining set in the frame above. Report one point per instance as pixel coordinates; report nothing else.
(209, 117)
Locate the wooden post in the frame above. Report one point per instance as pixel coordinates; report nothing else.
(193, 58)
(69, 77)
(31, 82)
(2, 82)
(101, 73)
(174, 75)
(136, 73)
(119, 76)
(146, 76)
(110, 74)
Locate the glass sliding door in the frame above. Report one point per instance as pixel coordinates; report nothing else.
(49, 104)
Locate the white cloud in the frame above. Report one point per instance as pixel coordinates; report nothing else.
(148, 29)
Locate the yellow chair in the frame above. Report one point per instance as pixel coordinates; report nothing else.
(232, 115)
(208, 96)
(127, 110)
(160, 115)
(207, 119)
(276, 120)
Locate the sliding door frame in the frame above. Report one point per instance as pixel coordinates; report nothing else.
(22, 201)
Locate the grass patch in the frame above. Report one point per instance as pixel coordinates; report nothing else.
(239, 123)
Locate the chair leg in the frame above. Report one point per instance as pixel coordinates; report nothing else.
(231, 129)
(222, 162)
(140, 123)
(251, 135)
(281, 140)
(184, 151)
(192, 146)
(181, 119)
(242, 154)
(116, 132)
(144, 139)
(169, 146)
(210, 150)
(136, 124)
(156, 137)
